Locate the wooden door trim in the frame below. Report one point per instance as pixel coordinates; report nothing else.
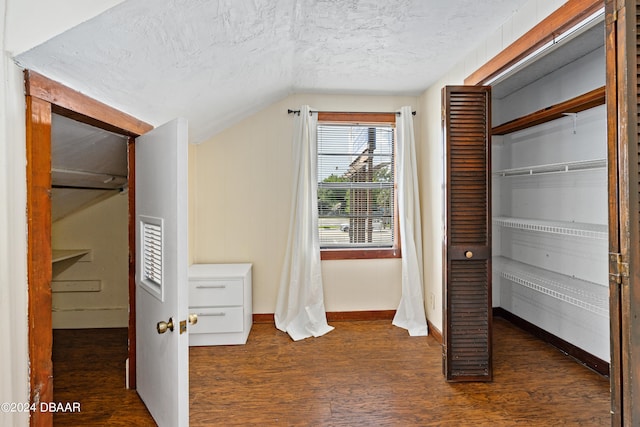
(43, 98)
(39, 269)
(566, 16)
(75, 105)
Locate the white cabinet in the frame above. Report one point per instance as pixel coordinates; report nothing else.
(220, 294)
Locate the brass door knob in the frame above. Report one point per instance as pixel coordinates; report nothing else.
(193, 319)
(162, 327)
(468, 254)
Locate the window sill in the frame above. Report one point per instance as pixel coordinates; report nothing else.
(337, 254)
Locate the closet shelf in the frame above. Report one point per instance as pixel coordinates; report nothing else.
(580, 103)
(587, 295)
(576, 229)
(62, 254)
(563, 167)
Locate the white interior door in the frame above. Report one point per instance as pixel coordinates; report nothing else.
(162, 359)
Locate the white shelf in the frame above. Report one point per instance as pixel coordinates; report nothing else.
(563, 167)
(587, 295)
(62, 254)
(575, 229)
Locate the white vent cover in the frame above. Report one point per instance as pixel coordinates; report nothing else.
(151, 255)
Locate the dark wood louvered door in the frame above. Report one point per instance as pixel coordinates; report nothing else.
(623, 136)
(467, 235)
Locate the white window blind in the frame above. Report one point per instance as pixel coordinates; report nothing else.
(356, 186)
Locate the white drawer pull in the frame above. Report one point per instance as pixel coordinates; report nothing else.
(211, 286)
(222, 313)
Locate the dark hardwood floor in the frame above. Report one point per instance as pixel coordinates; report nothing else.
(89, 367)
(363, 373)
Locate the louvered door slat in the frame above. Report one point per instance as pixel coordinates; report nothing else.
(467, 274)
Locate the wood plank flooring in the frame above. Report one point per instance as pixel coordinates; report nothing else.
(89, 367)
(362, 373)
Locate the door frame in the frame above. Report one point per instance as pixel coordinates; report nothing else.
(44, 97)
(624, 255)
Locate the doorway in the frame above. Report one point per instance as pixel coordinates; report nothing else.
(44, 98)
(89, 215)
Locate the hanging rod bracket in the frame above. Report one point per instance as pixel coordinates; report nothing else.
(575, 120)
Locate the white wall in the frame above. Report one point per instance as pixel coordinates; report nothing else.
(430, 150)
(240, 202)
(103, 229)
(14, 386)
(20, 29)
(36, 21)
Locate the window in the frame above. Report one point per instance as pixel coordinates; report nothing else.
(356, 186)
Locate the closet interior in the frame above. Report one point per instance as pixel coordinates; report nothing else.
(550, 194)
(89, 214)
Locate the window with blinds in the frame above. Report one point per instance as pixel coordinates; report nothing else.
(356, 200)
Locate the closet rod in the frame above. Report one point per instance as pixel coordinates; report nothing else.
(85, 187)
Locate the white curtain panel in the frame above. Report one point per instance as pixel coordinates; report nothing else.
(300, 308)
(410, 314)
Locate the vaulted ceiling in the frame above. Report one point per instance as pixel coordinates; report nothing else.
(216, 62)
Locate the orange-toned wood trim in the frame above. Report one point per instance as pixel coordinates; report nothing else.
(350, 316)
(337, 254)
(566, 16)
(70, 103)
(434, 332)
(582, 102)
(131, 153)
(263, 318)
(338, 316)
(38, 132)
(347, 117)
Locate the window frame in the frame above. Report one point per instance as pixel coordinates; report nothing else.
(327, 118)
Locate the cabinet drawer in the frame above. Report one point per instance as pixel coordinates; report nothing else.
(215, 292)
(217, 320)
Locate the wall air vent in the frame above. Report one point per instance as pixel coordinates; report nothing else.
(151, 255)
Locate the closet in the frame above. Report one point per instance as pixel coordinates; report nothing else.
(550, 197)
(89, 215)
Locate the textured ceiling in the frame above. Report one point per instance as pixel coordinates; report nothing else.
(216, 62)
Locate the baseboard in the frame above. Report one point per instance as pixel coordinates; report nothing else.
(434, 332)
(348, 316)
(587, 359)
(263, 318)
